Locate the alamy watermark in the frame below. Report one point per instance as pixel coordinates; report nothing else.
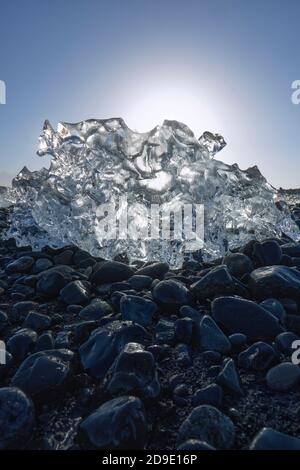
(136, 221)
(2, 353)
(2, 92)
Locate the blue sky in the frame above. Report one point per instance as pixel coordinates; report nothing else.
(220, 65)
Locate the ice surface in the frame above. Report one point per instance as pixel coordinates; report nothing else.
(94, 162)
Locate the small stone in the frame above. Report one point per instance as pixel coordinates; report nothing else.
(137, 309)
(212, 356)
(154, 270)
(165, 332)
(110, 271)
(22, 343)
(21, 309)
(17, 418)
(266, 253)
(206, 423)
(75, 293)
(42, 264)
(269, 439)
(20, 265)
(171, 294)
(238, 264)
(96, 310)
(275, 307)
(37, 321)
(51, 282)
(183, 355)
(118, 424)
(210, 395)
(44, 373)
(133, 372)
(229, 378)
(275, 281)
(3, 320)
(211, 337)
(184, 330)
(139, 282)
(238, 340)
(285, 340)
(283, 377)
(259, 356)
(217, 281)
(45, 342)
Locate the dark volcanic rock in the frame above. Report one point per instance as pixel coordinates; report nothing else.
(52, 281)
(3, 320)
(284, 342)
(75, 293)
(37, 321)
(269, 439)
(194, 444)
(22, 343)
(238, 315)
(20, 265)
(259, 356)
(283, 377)
(105, 343)
(140, 282)
(165, 331)
(133, 372)
(137, 309)
(291, 249)
(118, 424)
(210, 395)
(154, 270)
(238, 264)
(266, 253)
(218, 281)
(171, 294)
(206, 423)
(95, 310)
(110, 271)
(229, 378)
(211, 337)
(275, 281)
(276, 308)
(17, 418)
(21, 309)
(44, 373)
(184, 330)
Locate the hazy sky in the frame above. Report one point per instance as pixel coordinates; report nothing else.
(219, 65)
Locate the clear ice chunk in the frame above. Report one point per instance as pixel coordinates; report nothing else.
(98, 162)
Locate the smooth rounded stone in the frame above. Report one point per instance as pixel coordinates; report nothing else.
(238, 315)
(181, 390)
(160, 351)
(20, 265)
(17, 418)
(63, 340)
(65, 257)
(238, 340)
(133, 372)
(206, 423)
(20, 292)
(119, 287)
(290, 306)
(213, 357)
(37, 321)
(3, 320)
(269, 439)
(283, 377)
(44, 374)
(137, 309)
(229, 378)
(21, 309)
(45, 342)
(266, 253)
(275, 307)
(104, 344)
(190, 312)
(154, 270)
(41, 264)
(211, 337)
(238, 264)
(51, 282)
(182, 354)
(210, 395)
(217, 281)
(80, 255)
(110, 271)
(184, 330)
(284, 342)
(165, 331)
(95, 310)
(194, 444)
(259, 356)
(22, 343)
(139, 282)
(291, 249)
(275, 281)
(75, 292)
(117, 424)
(171, 294)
